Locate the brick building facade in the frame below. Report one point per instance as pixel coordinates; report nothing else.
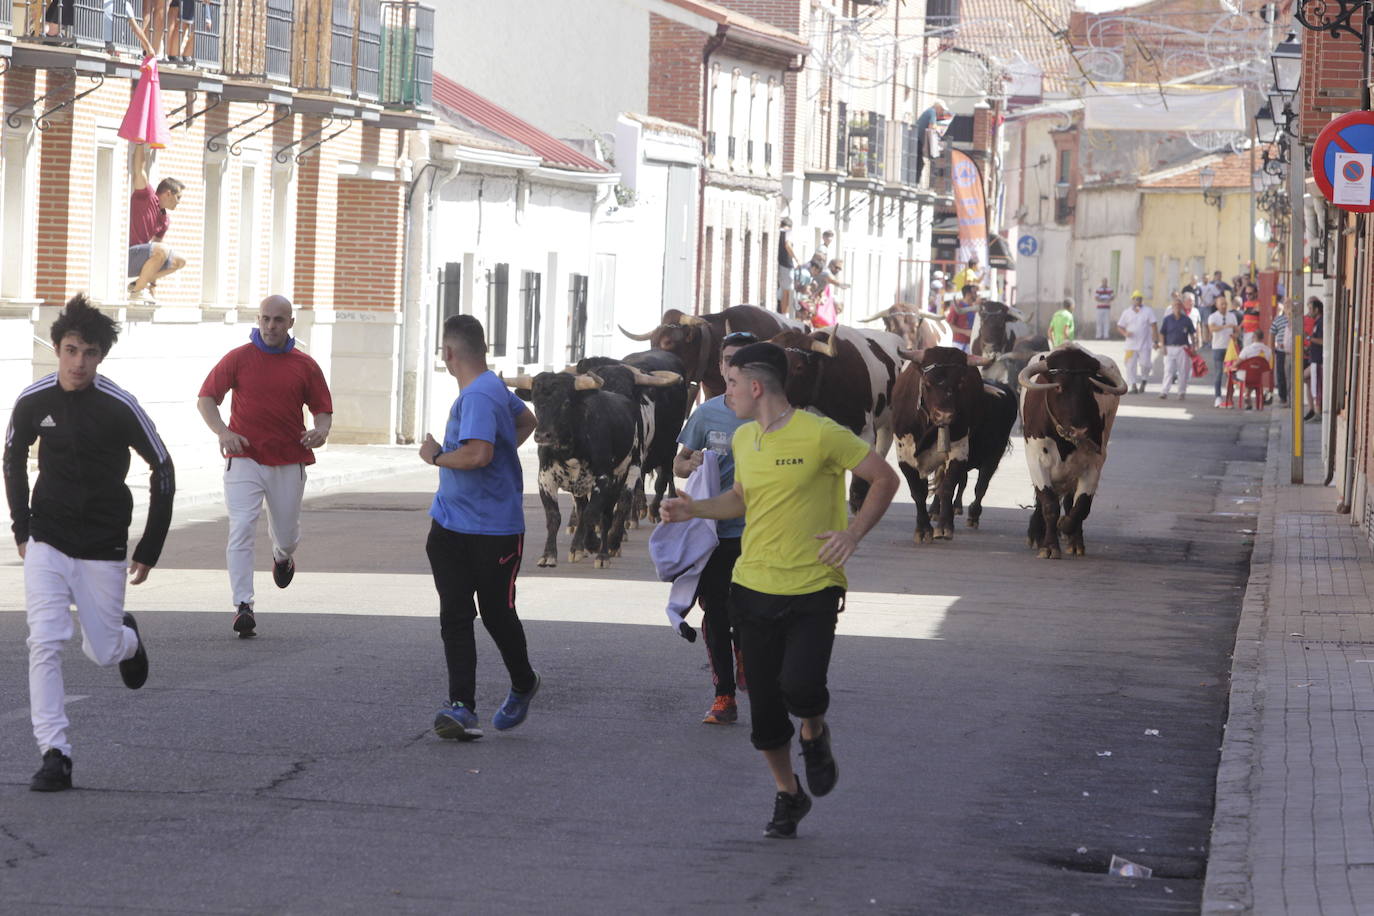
(294, 184)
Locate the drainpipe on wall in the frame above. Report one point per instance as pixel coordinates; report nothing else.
(712, 45)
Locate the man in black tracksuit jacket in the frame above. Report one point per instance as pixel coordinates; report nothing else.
(73, 529)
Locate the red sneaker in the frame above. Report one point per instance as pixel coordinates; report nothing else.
(723, 712)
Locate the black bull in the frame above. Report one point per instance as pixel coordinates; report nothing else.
(695, 339)
(669, 413)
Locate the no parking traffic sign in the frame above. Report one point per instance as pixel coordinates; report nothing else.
(1341, 160)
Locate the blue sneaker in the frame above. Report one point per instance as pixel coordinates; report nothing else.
(516, 707)
(456, 721)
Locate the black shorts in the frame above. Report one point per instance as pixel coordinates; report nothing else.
(188, 9)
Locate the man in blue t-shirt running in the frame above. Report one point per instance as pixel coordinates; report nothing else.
(710, 427)
(478, 534)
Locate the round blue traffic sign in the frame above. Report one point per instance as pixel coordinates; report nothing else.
(1352, 132)
(1027, 245)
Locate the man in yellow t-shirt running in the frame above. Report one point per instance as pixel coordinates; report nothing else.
(788, 590)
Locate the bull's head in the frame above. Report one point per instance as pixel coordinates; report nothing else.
(949, 385)
(806, 359)
(1072, 379)
(994, 318)
(553, 395)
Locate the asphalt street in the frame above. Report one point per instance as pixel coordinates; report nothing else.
(1003, 724)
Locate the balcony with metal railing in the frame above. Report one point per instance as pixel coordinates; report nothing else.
(87, 29)
(407, 55)
(258, 40)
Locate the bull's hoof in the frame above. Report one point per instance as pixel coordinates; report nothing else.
(616, 552)
(1030, 542)
(548, 560)
(958, 509)
(944, 534)
(575, 555)
(1050, 553)
(971, 522)
(632, 524)
(602, 562)
(1077, 550)
(572, 529)
(924, 536)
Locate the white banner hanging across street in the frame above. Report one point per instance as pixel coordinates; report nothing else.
(1142, 106)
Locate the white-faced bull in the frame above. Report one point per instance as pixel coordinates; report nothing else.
(1069, 398)
(939, 400)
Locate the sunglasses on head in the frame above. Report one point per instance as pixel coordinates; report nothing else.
(738, 339)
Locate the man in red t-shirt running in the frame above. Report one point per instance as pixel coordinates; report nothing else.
(266, 445)
(149, 258)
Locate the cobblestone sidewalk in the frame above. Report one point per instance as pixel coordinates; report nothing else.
(1294, 826)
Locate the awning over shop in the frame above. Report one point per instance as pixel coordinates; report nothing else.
(999, 253)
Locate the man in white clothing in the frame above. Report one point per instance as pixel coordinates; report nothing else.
(1222, 325)
(1137, 325)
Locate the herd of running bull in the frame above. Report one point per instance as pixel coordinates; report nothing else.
(605, 424)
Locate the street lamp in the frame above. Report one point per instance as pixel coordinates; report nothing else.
(1287, 61)
(1264, 124)
(1206, 176)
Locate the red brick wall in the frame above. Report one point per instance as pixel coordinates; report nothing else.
(1330, 79)
(675, 71)
(367, 266)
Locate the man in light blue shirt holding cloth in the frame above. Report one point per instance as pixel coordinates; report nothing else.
(711, 426)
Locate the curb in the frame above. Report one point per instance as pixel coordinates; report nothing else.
(1229, 881)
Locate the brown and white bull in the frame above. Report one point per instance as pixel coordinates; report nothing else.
(846, 374)
(936, 405)
(1069, 398)
(695, 339)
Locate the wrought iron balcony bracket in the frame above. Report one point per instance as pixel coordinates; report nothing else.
(212, 142)
(1334, 16)
(283, 155)
(42, 121)
(236, 148)
(214, 103)
(829, 196)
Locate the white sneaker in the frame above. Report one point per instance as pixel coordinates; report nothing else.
(1217, 402)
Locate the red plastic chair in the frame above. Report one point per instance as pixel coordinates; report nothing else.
(1253, 376)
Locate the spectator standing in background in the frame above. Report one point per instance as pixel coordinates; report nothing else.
(1105, 297)
(1281, 341)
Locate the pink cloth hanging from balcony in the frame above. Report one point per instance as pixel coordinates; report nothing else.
(144, 121)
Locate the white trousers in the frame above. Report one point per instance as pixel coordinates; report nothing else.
(247, 485)
(53, 582)
(1104, 323)
(1177, 363)
(1138, 364)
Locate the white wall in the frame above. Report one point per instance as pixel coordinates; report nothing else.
(553, 227)
(570, 67)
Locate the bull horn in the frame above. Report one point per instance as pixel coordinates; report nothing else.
(660, 378)
(1035, 367)
(1110, 371)
(979, 360)
(587, 382)
(690, 320)
(1016, 313)
(825, 348)
(648, 336)
(522, 382)
(728, 331)
(879, 315)
(913, 355)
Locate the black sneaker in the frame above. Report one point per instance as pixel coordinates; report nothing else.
(283, 571)
(55, 774)
(788, 810)
(134, 670)
(821, 771)
(244, 624)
